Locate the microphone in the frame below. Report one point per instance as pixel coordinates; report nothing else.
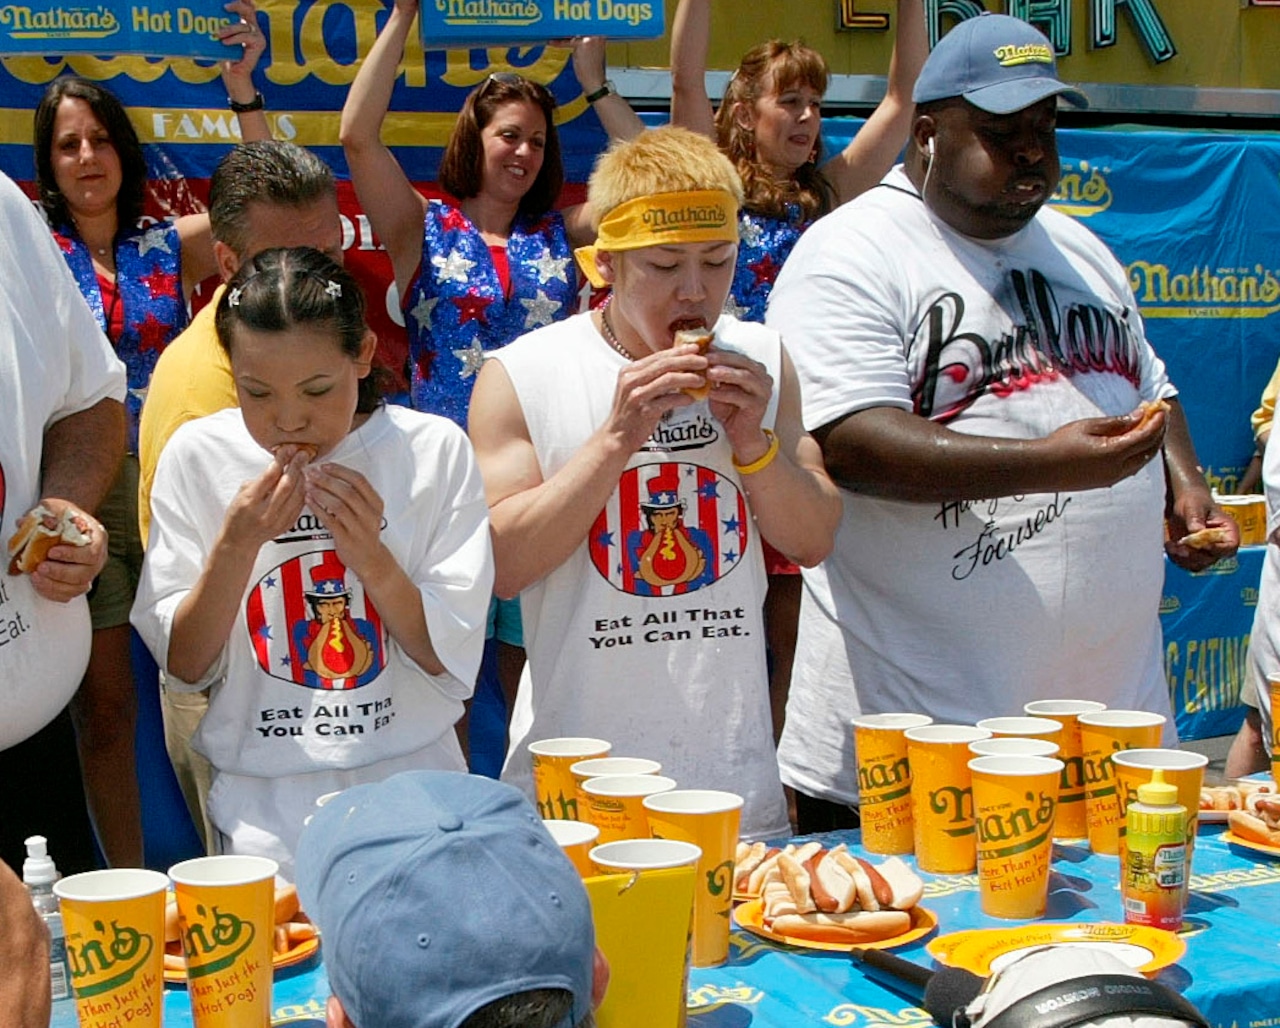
(941, 993)
(949, 992)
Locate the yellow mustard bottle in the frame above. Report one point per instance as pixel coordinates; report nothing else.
(1153, 883)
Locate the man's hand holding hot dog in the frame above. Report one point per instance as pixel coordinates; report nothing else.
(68, 569)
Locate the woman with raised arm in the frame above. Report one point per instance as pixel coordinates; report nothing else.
(92, 178)
(474, 274)
(770, 125)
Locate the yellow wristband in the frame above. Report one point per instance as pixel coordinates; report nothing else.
(760, 463)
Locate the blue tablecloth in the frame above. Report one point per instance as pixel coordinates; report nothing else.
(1231, 969)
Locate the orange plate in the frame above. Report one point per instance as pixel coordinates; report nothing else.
(984, 950)
(750, 915)
(1249, 844)
(296, 955)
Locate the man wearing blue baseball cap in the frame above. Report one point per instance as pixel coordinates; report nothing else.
(974, 366)
(445, 903)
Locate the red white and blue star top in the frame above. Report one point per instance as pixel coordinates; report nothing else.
(764, 243)
(149, 287)
(458, 310)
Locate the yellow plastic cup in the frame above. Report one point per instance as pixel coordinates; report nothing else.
(942, 797)
(553, 788)
(1273, 687)
(602, 767)
(642, 906)
(707, 818)
(114, 923)
(1071, 813)
(1013, 746)
(1103, 734)
(1023, 728)
(1015, 800)
(226, 913)
(1249, 513)
(576, 838)
(615, 804)
(884, 780)
(1183, 769)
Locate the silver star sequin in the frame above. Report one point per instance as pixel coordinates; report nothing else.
(472, 357)
(421, 311)
(153, 239)
(551, 267)
(749, 232)
(541, 310)
(453, 268)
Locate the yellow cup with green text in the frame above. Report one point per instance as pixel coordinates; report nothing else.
(707, 818)
(553, 786)
(1015, 800)
(884, 780)
(1071, 814)
(226, 914)
(1103, 734)
(601, 767)
(576, 839)
(615, 804)
(114, 923)
(942, 797)
(1273, 692)
(1183, 769)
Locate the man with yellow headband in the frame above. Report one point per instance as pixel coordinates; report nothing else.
(628, 514)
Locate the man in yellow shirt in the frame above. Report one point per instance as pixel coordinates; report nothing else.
(262, 195)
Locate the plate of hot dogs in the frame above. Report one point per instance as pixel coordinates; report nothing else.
(829, 899)
(1258, 826)
(1218, 801)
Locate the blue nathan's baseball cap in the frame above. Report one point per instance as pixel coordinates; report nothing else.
(998, 63)
(438, 892)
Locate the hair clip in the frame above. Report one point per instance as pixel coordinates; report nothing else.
(333, 289)
(233, 298)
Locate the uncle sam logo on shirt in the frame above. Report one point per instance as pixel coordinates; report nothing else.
(669, 529)
(311, 624)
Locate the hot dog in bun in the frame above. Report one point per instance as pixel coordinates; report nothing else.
(1261, 822)
(702, 338)
(41, 530)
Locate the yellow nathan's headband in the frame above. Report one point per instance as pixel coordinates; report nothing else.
(695, 216)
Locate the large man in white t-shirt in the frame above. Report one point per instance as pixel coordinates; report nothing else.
(973, 365)
(61, 440)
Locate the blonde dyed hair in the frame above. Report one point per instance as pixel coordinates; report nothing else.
(661, 160)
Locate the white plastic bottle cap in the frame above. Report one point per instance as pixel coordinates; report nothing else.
(38, 868)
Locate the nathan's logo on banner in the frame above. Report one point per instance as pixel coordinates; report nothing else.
(455, 23)
(158, 29)
(1170, 604)
(1205, 292)
(670, 219)
(489, 12)
(24, 22)
(1083, 190)
(1032, 53)
(1249, 596)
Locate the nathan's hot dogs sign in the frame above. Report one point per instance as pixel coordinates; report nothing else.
(496, 22)
(156, 29)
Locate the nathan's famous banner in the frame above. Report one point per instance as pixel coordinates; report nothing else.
(148, 27)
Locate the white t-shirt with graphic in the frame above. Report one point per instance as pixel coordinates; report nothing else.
(650, 635)
(966, 610)
(310, 679)
(54, 362)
